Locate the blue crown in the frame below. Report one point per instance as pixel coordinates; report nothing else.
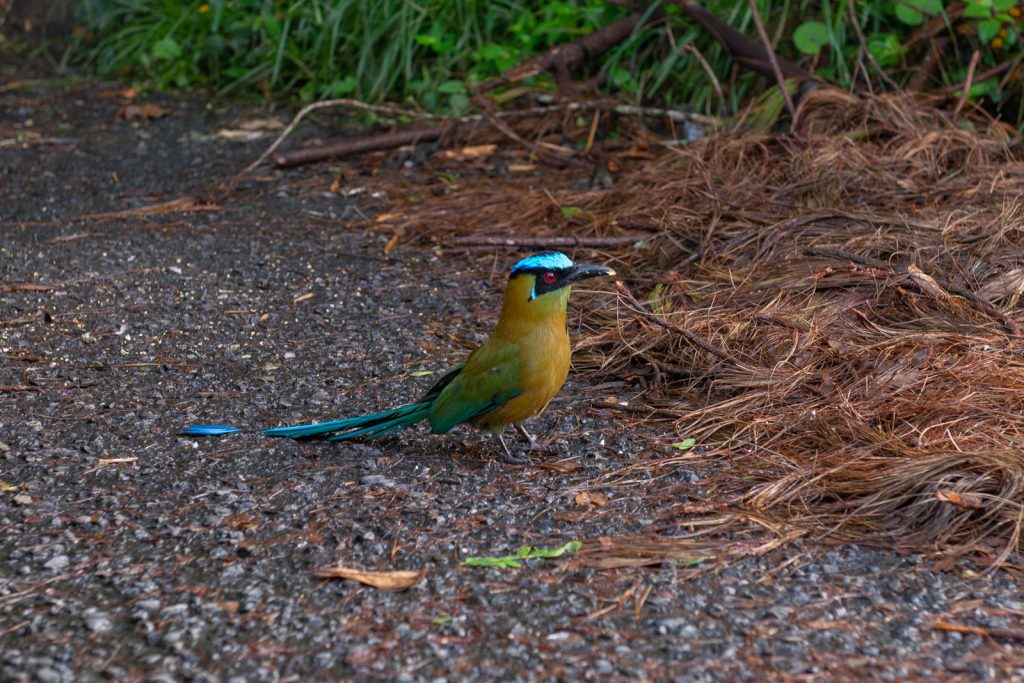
(547, 260)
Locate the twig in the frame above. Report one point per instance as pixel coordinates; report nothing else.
(641, 310)
(541, 152)
(776, 69)
(1013, 634)
(983, 76)
(708, 70)
(542, 242)
(967, 83)
(647, 410)
(866, 50)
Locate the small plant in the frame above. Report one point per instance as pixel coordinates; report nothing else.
(525, 553)
(431, 53)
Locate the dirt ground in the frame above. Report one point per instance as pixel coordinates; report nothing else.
(129, 552)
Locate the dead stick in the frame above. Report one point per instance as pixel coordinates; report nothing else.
(372, 143)
(544, 154)
(776, 69)
(983, 76)
(566, 58)
(742, 49)
(542, 242)
(309, 108)
(641, 310)
(967, 83)
(866, 50)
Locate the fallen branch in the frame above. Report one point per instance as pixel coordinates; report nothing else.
(543, 242)
(741, 49)
(372, 143)
(564, 59)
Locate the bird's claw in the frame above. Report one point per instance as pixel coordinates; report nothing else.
(516, 459)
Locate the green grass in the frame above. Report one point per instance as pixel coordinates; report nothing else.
(424, 53)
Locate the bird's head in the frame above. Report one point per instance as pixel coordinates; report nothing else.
(542, 282)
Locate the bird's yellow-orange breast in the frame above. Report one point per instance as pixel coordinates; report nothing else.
(544, 356)
(537, 328)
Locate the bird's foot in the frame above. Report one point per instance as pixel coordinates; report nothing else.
(508, 457)
(515, 458)
(548, 448)
(534, 445)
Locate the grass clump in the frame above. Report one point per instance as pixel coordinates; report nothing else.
(428, 53)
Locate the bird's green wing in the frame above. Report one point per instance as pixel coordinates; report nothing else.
(440, 384)
(489, 378)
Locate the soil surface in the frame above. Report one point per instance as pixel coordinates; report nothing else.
(129, 552)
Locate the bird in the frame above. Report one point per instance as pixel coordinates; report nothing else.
(508, 379)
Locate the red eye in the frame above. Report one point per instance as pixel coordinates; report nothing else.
(549, 277)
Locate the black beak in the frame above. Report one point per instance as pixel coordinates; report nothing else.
(582, 271)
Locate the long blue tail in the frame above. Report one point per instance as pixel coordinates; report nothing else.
(365, 426)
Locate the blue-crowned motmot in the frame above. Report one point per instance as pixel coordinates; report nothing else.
(511, 377)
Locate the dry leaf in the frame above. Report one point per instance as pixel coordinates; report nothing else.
(384, 217)
(594, 498)
(469, 152)
(25, 287)
(970, 501)
(234, 135)
(142, 112)
(389, 581)
(567, 467)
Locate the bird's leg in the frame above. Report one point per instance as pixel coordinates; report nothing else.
(507, 454)
(534, 445)
(526, 435)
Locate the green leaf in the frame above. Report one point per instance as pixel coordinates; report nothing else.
(685, 444)
(570, 211)
(988, 29)
(1003, 5)
(452, 88)
(810, 36)
(458, 102)
(886, 48)
(7, 488)
(978, 9)
(928, 6)
(492, 51)
(622, 79)
(166, 48)
(441, 620)
(526, 552)
(343, 86)
(908, 15)
(570, 547)
(988, 88)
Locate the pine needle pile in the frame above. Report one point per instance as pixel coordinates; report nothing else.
(836, 313)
